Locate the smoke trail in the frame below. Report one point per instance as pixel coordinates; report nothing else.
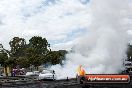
(103, 48)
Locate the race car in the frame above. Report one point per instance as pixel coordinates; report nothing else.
(47, 75)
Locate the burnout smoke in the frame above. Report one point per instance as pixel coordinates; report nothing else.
(103, 48)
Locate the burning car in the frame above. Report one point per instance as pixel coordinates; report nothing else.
(47, 75)
(82, 77)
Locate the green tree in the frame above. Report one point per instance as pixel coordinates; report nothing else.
(36, 60)
(35, 53)
(17, 46)
(3, 58)
(37, 50)
(39, 44)
(56, 57)
(23, 62)
(10, 62)
(62, 54)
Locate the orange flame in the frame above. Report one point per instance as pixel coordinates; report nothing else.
(81, 71)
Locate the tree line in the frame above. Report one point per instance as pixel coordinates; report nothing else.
(37, 52)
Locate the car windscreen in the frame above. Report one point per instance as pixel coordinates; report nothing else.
(46, 71)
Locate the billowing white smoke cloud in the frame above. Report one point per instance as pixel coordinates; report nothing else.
(103, 49)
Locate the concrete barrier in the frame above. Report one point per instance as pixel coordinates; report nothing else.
(18, 79)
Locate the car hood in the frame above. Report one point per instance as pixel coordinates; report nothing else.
(48, 74)
(29, 73)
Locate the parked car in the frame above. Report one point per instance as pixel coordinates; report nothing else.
(128, 64)
(47, 75)
(34, 73)
(29, 73)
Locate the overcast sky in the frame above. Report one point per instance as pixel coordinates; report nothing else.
(61, 22)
